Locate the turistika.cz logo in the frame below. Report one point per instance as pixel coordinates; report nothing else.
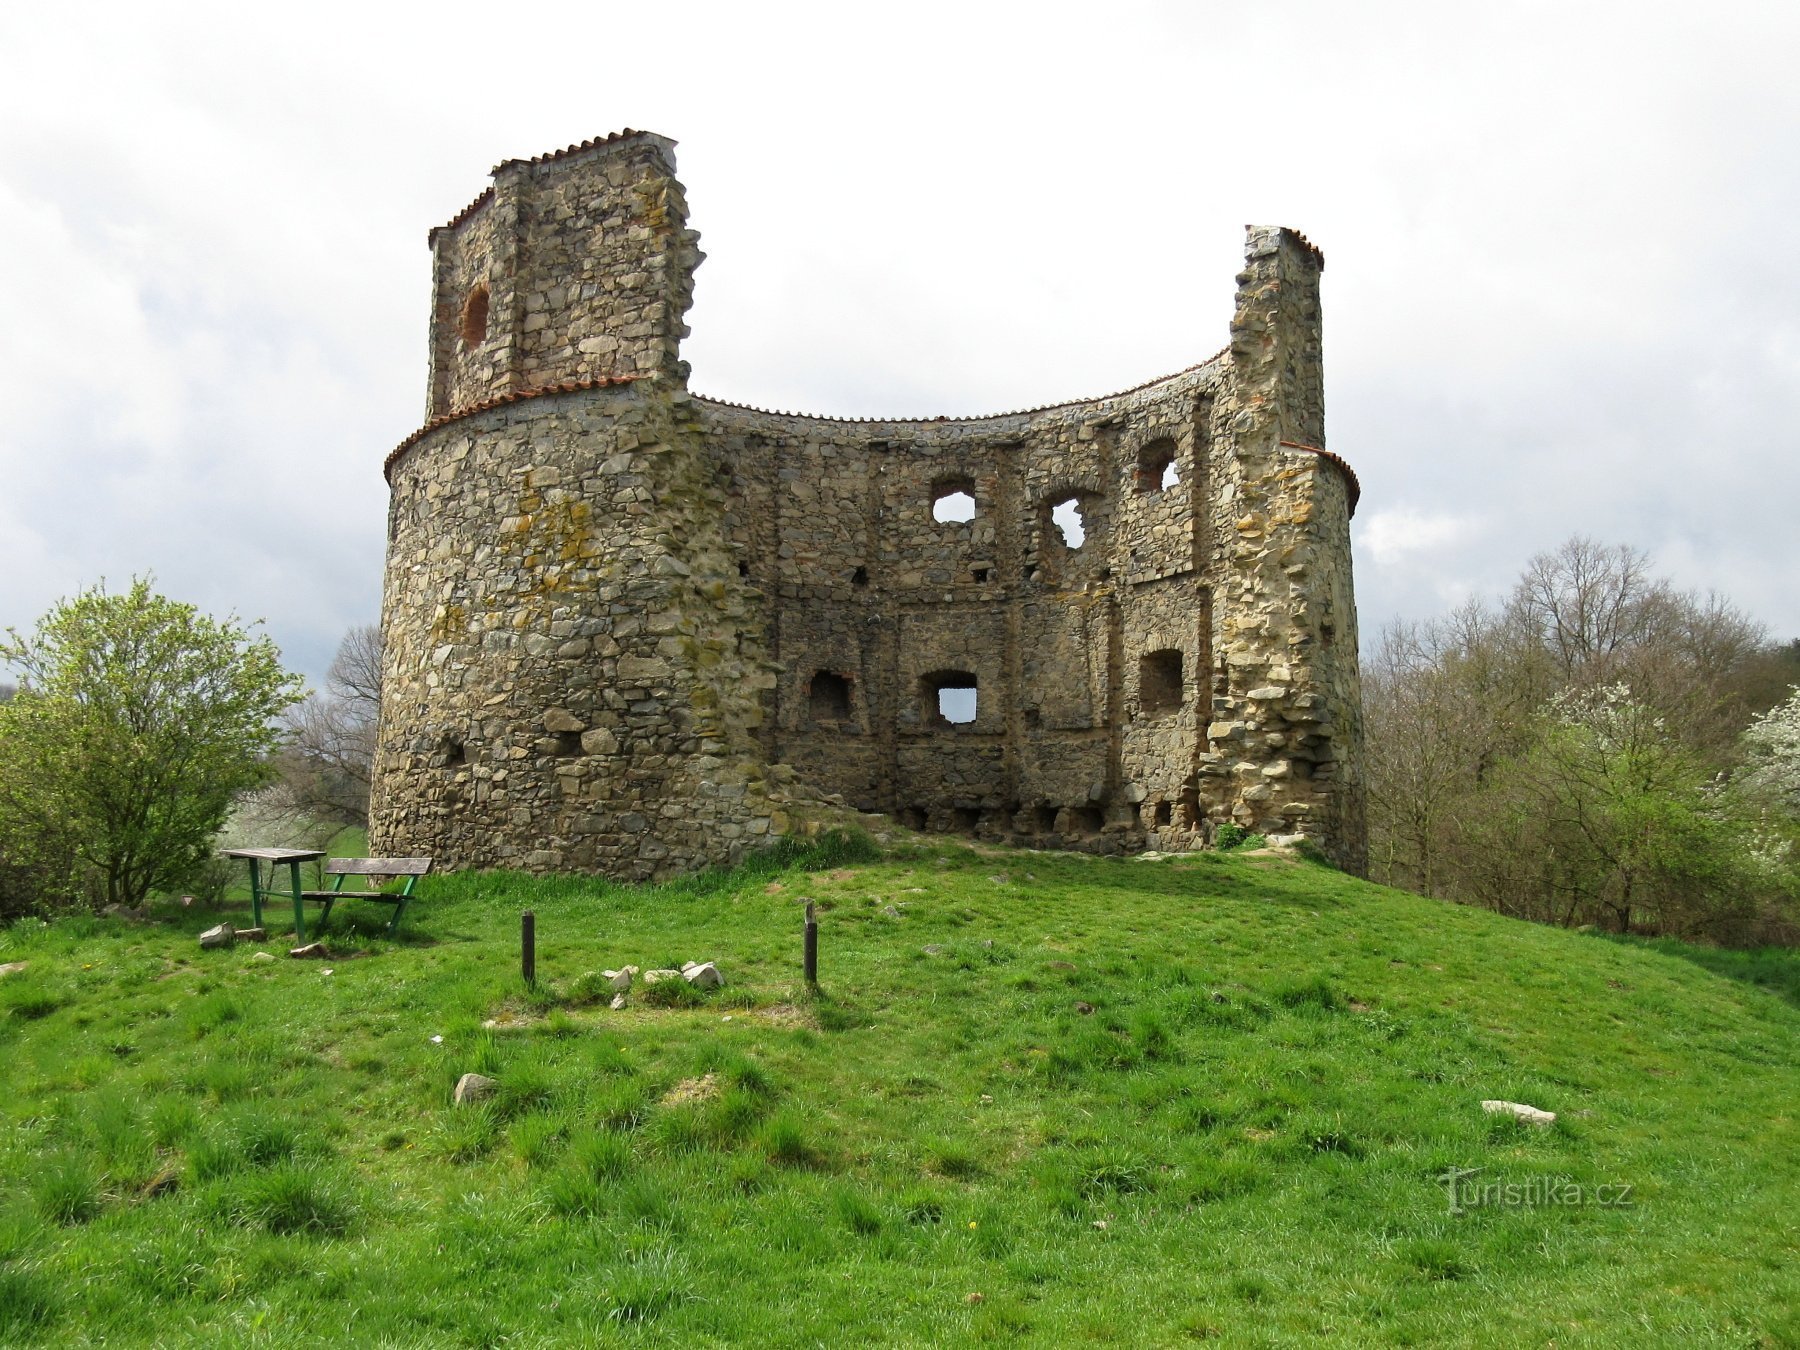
(1467, 1192)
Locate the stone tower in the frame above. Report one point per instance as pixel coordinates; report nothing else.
(626, 624)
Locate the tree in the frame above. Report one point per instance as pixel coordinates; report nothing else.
(1772, 755)
(136, 722)
(323, 773)
(1506, 764)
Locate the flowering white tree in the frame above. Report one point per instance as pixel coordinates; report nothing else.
(1772, 753)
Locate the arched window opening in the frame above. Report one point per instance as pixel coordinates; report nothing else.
(950, 698)
(1159, 682)
(828, 699)
(953, 501)
(1156, 466)
(474, 323)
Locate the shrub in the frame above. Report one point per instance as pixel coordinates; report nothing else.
(294, 1198)
(66, 1190)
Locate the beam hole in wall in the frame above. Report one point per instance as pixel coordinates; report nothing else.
(450, 752)
(1159, 682)
(1088, 820)
(981, 575)
(743, 569)
(1165, 814)
(953, 501)
(1066, 516)
(950, 698)
(568, 744)
(828, 698)
(860, 577)
(1190, 806)
(1156, 466)
(474, 322)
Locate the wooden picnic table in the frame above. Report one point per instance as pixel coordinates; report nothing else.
(275, 857)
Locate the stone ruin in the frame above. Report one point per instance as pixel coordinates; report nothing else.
(635, 631)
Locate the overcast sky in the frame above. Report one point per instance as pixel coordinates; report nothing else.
(1563, 291)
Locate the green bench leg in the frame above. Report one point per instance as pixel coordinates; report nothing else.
(255, 893)
(299, 905)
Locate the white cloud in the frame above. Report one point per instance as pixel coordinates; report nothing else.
(1554, 302)
(1406, 536)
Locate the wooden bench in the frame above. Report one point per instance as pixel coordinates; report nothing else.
(379, 871)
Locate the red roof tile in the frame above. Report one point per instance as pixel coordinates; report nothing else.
(1349, 473)
(500, 401)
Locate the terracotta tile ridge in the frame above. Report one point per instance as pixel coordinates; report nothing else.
(1305, 243)
(500, 401)
(1343, 465)
(486, 196)
(592, 143)
(980, 417)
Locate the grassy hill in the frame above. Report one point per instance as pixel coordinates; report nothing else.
(1039, 1096)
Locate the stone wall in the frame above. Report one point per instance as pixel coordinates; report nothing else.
(623, 621)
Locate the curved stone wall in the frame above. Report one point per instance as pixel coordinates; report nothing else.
(622, 620)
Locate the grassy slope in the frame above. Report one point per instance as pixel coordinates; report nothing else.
(1241, 1139)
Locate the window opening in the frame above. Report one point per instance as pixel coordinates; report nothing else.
(474, 323)
(1044, 817)
(1088, 819)
(1165, 814)
(829, 697)
(1066, 515)
(1156, 466)
(950, 698)
(953, 506)
(1159, 682)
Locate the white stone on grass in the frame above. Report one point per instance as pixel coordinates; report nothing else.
(658, 976)
(704, 976)
(221, 935)
(1531, 1115)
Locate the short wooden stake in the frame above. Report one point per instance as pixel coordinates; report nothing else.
(528, 946)
(812, 945)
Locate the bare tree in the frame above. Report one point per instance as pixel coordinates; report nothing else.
(324, 770)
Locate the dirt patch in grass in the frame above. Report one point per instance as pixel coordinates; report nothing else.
(785, 1015)
(701, 1089)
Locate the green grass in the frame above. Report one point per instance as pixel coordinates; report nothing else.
(1121, 1101)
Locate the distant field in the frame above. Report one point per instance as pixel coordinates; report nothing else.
(1040, 1096)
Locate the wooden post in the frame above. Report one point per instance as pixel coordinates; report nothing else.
(528, 946)
(812, 945)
